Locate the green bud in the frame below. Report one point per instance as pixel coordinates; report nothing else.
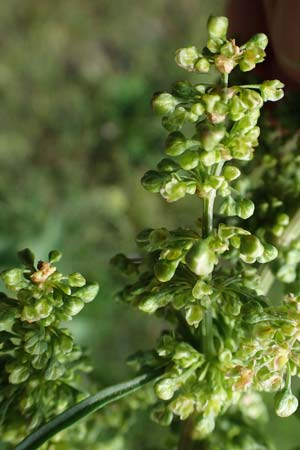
(187, 57)
(152, 181)
(204, 427)
(217, 27)
(283, 219)
(194, 315)
(88, 293)
(259, 40)
(271, 90)
(214, 45)
(224, 64)
(76, 280)
(175, 144)
(210, 101)
(173, 190)
(202, 65)
(200, 259)
(54, 371)
(237, 108)
(210, 136)
(41, 309)
(165, 388)
(164, 103)
(198, 109)
(182, 406)
(186, 355)
(251, 98)
(210, 158)
(231, 173)
(167, 165)
(54, 256)
(164, 270)
(270, 253)
(285, 403)
(189, 160)
(175, 121)
(245, 208)
(251, 246)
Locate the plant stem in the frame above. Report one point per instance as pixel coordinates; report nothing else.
(208, 214)
(85, 407)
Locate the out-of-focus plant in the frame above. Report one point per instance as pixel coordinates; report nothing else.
(226, 342)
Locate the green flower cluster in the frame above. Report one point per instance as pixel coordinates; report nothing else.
(226, 341)
(41, 366)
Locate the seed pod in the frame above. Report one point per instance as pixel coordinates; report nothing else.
(201, 288)
(76, 280)
(189, 160)
(217, 27)
(259, 40)
(245, 208)
(183, 89)
(164, 103)
(173, 190)
(271, 90)
(88, 293)
(202, 65)
(165, 388)
(251, 246)
(152, 181)
(175, 144)
(231, 173)
(194, 315)
(270, 253)
(210, 136)
(187, 57)
(167, 165)
(201, 259)
(164, 270)
(19, 374)
(182, 406)
(285, 403)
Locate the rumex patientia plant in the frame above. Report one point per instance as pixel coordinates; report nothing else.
(227, 341)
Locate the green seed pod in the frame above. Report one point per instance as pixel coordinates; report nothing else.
(187, 57)
(182, 406)
(245, 208)
(210, 136)
(13, 278)
(210, 158)
(251, 246)
(76, 280)
(270, 253)
(173, 190)
(164, 103)
(237, 108)
(214, 45)
(285, 403)
(185, 355)
(217, 27)
(271, 90)
(189, 160)
(202, 65)
(259, 40)
(198, 109)
(164, 270)
(175, 144)
(88, 293)
(167, 165)
(194, 315)
(210, 101)
(40, 310)
(200, 259)
(251, 98)
(152, 181)
(176, 120)
(165, 388)
(231, 173)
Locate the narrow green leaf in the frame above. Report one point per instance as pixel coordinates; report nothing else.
(85, 407)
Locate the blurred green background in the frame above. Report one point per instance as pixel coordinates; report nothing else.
(77, 133)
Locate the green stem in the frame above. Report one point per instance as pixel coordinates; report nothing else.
(82, 409)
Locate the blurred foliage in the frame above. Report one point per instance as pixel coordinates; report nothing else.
(76, 134)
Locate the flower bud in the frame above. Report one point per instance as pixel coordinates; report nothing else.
(175, 144)
(164, 270)
(200, 259)
(202, 65)
(272, 90)
(189, 160)
(236, 108)
(245, 208)
(194, 315)
(164, 103)
(198, 109)
(41, 309)
(231, 173)
(201, 288)
(173, 190)
(167, 165)
(204, 427)
(183, 89)
(224, 64)
(283, 219)
(251, 246)
(210, 136)
(54, 256)
(217, 27)
(88, 293)
(161, 415)
(182, 406)
(270, 253)
(73, 306)
(251, 98)
(175, 121)
(214, 45)
(13, 277)
(165, 388)
(285, 403)
(19, 374)
(152, 181)
(187, 57)
(259, 40)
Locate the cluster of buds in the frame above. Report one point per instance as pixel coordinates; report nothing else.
(41, 366)
(227, 342)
